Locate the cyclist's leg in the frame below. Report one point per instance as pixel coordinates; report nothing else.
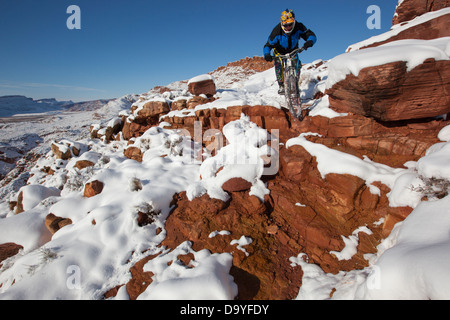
(279, 72)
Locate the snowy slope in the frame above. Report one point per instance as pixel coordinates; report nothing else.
(20, 138)
(94, 254)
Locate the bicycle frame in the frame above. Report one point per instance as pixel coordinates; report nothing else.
(286, 59)
(290, 79)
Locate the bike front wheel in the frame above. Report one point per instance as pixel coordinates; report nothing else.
(292, 95)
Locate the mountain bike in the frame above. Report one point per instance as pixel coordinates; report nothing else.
(290, 79)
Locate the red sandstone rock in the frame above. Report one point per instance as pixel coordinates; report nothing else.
(93, 188)
(390, 93)
(409, 9)
(206, 87)
(197, 100)
(140, 280)
(179, 104)
(153, 108)
(8, 250)
(133, 153)
(61, 154)
(54, 223)
(236, 185)
(255, 64)
(81, 164)
(137, 127)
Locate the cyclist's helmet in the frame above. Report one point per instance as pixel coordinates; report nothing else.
(288, 20)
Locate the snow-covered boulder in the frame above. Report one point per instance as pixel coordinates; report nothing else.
(401, 74)
(31, 195)
(401, 80)
(202, 84)
(66, 149)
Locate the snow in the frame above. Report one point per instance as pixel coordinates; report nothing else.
(34, 194)
(412, 51)
(416, 267)
(444, 134)
(351, 244)
(200, 78)
(208, 279)
(221, 233)
(431, 165)
(241, 242)
(240, 158)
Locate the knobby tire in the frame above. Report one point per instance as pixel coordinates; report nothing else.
(292, 95)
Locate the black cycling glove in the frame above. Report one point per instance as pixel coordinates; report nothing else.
(268, 58)
(308, 44)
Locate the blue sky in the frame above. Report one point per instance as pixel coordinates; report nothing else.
(131, 46)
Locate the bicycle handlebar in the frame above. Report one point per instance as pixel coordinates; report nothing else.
(288, 55)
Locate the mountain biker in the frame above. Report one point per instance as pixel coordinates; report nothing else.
(285, 38)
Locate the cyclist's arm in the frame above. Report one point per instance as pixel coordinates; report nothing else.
(307, 34)
(273, 40)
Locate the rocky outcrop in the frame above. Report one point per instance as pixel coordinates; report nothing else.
(390, 93)
(109, 132)
(267, 117)
(409, 9)
(65, 149)
(226, 76)
(152, 109)
(251, 65)
(144, 115)
(392, 144)
(304, 211)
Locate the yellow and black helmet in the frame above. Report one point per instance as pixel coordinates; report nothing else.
(287, 20)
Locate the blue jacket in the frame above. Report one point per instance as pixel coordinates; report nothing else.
(285, 43)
